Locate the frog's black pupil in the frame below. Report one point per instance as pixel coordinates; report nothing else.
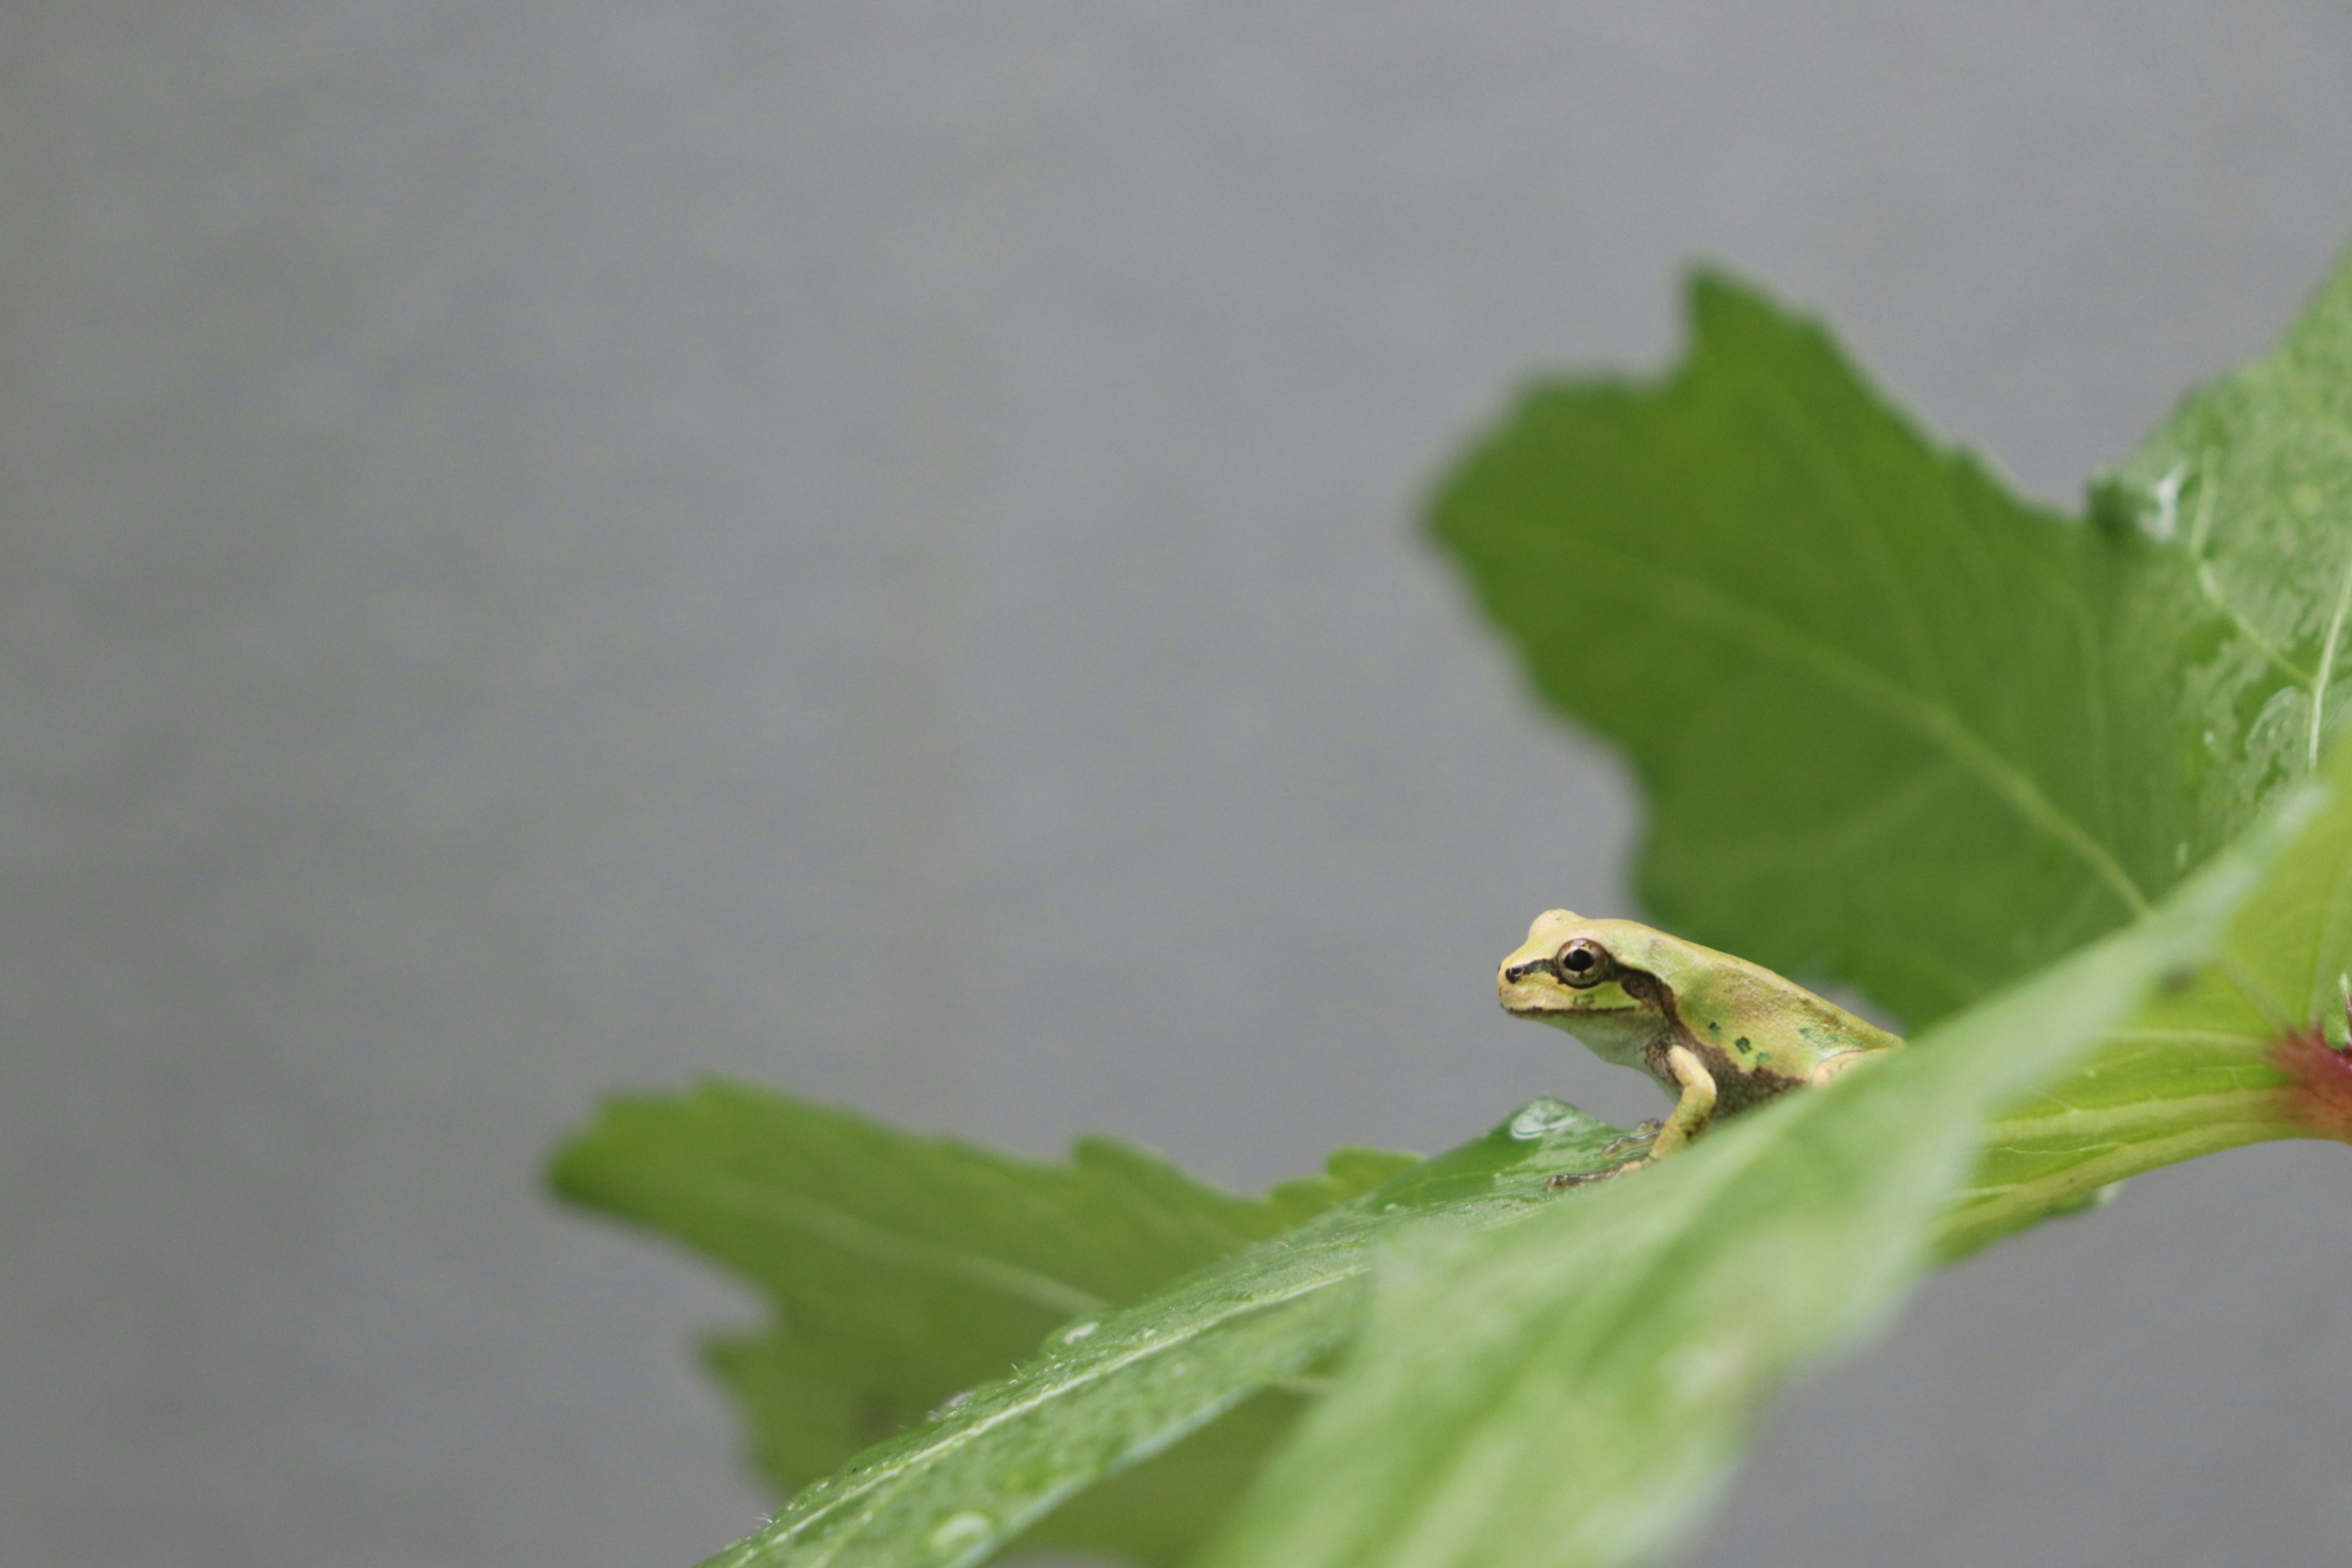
(1580, 961)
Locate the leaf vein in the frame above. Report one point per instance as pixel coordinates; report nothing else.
(1707, 608)
(871, 1241)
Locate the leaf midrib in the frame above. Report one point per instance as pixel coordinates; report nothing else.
(865, 1239)
(2298, 385)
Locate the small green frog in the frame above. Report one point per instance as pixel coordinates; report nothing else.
(1720, 1033)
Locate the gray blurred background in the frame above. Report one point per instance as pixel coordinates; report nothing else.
(554, 548)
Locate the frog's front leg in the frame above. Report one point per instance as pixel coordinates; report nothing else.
(1693, 1110)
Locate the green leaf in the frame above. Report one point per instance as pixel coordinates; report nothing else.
(1898, 726)
(1119, 1387)
(906, 1269)
(1569, 1391)
(1813, 633)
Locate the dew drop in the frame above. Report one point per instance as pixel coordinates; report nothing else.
(962, 1531)
(1539, 1118)
(2166, 492)
(1077, 1331)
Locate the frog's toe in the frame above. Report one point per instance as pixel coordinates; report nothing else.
(1643, 1135)
(1586, 1178)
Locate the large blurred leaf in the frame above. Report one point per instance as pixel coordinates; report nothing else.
(1895, 725)
(1117, 1387)
(905, 1269)
(1570, 1392)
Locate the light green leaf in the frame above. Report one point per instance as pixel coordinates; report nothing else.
(1117, 1387)
(905, 1269)
(1571, 1391)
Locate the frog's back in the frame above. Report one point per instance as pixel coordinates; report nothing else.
(1742, 1016)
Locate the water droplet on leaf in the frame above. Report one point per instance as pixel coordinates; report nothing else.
(1539, 1118)
(2165, 520)
(961, 1531)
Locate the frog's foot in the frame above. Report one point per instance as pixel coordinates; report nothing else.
(1643, 1133)
(1835, 1064)
(1586, 1178)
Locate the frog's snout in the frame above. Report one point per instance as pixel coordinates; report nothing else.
(1528, 985)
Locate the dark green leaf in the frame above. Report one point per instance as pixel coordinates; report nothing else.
(1816, 635)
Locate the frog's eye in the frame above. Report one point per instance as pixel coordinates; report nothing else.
(1582, 963)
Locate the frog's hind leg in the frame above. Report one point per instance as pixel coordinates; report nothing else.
(1833, 1065)
(1693, 1110)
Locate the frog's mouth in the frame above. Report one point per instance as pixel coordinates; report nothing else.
(1563, 1010)
(1532, 989)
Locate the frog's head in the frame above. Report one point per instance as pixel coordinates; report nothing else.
(1595, 978)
